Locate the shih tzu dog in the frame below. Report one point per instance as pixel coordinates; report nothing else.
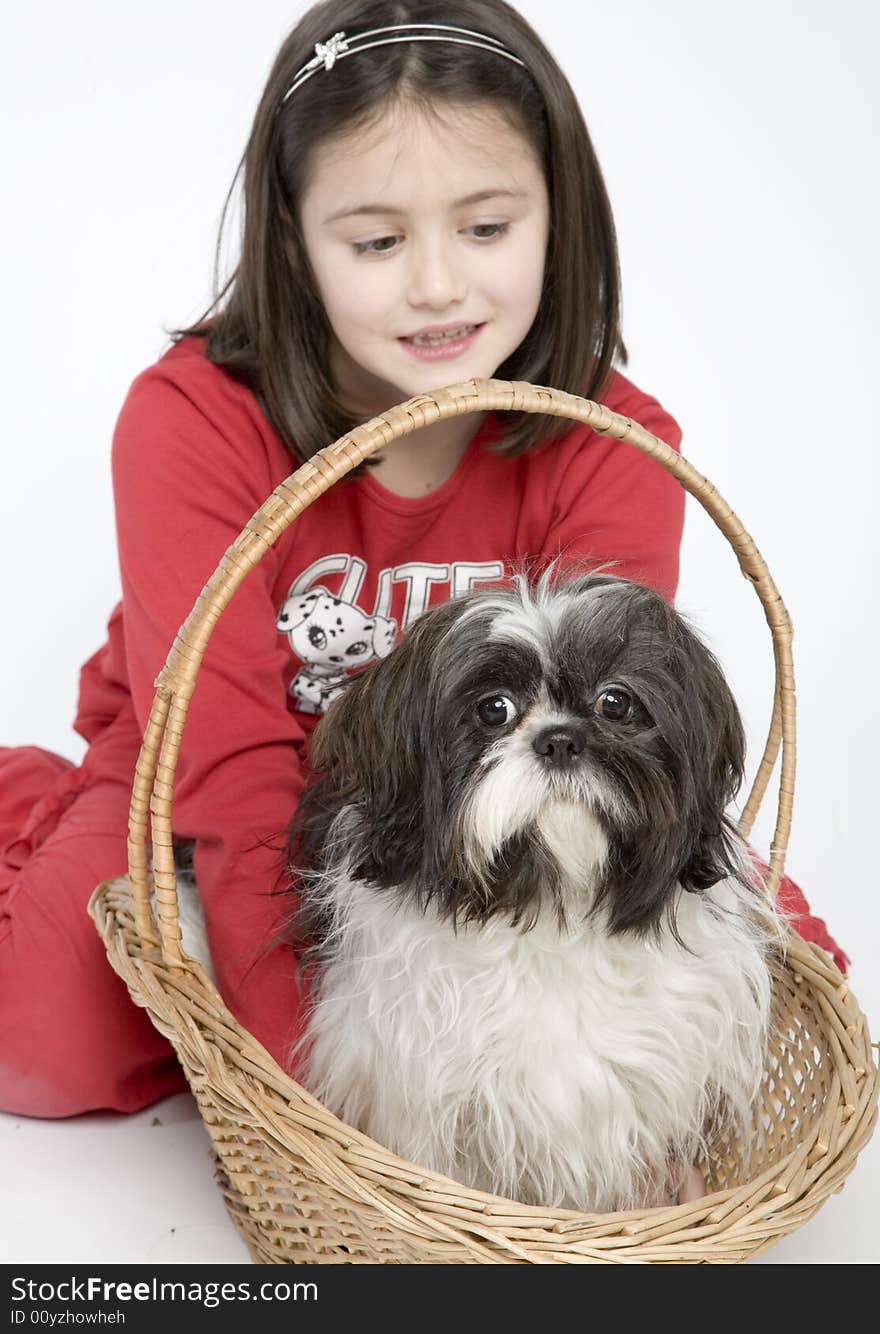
(541, 949)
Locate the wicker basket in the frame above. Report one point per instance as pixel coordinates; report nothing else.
(303, 1187)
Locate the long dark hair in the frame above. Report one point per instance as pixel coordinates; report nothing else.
(272, 332)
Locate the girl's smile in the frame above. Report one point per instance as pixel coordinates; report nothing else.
(442, 342)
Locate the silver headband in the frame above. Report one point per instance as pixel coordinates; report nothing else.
(338, 46)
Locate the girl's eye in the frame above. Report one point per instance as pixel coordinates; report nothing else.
(367, 247)
(498, 228)
(497, 710)
(614, 705)
(384, 245)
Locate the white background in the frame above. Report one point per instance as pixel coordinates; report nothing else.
(738, 142)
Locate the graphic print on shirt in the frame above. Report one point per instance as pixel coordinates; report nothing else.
(331, 634)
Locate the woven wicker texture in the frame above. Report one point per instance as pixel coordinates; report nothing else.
(303, 1187)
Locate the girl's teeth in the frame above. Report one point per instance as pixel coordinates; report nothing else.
(433, 340)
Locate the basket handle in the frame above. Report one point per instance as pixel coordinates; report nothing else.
(153, 787)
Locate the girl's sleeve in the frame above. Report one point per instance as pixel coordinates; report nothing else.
(614, 503)
(186, 479)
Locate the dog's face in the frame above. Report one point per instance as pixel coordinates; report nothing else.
(565, 740)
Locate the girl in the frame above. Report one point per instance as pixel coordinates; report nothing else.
(423, 205)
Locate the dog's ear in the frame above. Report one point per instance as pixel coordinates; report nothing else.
(340, 739)
(342, 764)
(716, 742)
(682, 835)
(376, 750)
(375, 732)
(714, 855)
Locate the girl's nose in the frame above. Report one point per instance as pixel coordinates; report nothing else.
(436, 277)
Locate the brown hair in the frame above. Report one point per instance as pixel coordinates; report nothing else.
(272, 333)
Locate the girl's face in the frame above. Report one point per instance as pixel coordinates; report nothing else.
(421, 223)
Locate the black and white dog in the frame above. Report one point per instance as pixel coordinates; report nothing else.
(542, 949)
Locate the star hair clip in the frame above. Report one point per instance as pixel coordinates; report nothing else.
(327, 52)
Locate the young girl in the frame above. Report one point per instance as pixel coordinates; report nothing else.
(423, 206)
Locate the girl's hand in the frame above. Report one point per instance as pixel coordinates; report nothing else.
(693, 1187)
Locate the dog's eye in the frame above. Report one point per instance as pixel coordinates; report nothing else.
(317, 638)
(497, 710)
(614, 705)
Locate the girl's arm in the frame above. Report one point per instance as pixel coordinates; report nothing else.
(189, 469)
(614, 503)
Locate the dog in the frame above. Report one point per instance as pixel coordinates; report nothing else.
(542, 952)
(331, 636)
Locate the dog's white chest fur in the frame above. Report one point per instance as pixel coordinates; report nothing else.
(564, 1070)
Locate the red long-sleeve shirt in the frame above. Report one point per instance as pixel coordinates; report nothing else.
(193, 458)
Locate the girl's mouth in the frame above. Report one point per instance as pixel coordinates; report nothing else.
(440, 347)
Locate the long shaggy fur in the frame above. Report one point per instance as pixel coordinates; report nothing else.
(542, 947)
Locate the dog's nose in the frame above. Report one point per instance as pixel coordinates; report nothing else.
(560, 746)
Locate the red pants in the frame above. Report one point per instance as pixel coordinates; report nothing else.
(71, 1038)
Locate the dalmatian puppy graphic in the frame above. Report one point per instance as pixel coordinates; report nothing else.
(331, 637)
